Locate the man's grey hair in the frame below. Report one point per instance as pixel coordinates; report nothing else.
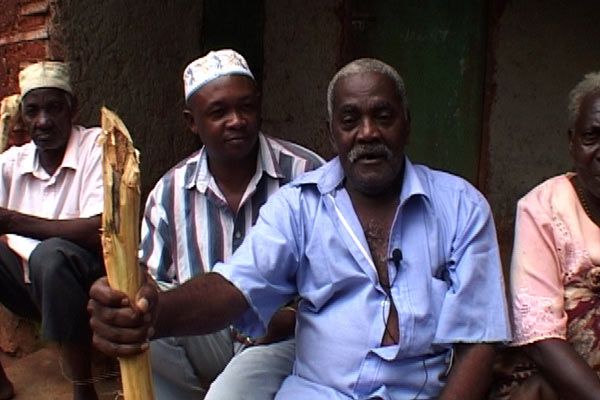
(364, 65)
(589, 85)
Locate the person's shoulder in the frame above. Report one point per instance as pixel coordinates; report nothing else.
(548, 192)
(307, 182)
(549, 185)
(180, 173)
(444, 184)
(297, 152)
(328, 174)
(86, 139)
(17, 154)
(189, 162)
(301, 195)
(86, 134)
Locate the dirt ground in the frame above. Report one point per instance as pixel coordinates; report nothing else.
(39, 376)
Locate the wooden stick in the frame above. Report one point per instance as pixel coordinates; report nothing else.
(120, 236)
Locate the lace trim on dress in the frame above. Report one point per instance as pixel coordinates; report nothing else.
(536, 318)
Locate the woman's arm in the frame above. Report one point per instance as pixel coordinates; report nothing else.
(564, 369)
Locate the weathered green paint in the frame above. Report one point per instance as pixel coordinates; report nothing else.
(236, 24)
(439, 48)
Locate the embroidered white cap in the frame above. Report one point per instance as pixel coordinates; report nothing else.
(212, 66)
(45, 74)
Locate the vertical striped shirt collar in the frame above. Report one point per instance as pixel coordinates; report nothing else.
(188, 226)
(266, 162)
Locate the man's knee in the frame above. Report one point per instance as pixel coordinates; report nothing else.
(256, 373)
(47, 259)
(49, 250)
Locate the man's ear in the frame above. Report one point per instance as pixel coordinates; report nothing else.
(571, 139)
(74, 107)
(408, 125)
(258, 95)
(189, 120)
(329, 131)
(259, 111)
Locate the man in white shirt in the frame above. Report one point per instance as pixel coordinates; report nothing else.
(50, 215)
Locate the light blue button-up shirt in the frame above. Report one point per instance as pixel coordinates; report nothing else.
(448, 287)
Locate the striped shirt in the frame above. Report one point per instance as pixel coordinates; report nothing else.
(188, 227)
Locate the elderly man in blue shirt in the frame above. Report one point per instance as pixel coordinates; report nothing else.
(396, 266)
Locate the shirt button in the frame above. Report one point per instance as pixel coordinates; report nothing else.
(237, 235)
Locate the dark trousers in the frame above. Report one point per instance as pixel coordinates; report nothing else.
(61, 274)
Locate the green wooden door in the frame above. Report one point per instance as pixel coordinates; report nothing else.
(439, 49)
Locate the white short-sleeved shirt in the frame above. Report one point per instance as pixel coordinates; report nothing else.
(73, 191)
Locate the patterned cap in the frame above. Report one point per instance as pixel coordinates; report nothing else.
(45, 74)
(212, 66)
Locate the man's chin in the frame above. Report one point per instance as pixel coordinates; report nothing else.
(373, 186)
(49, 147)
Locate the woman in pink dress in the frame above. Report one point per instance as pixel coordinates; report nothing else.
(555, 269)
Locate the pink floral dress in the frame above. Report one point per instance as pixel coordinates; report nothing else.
(554, 276)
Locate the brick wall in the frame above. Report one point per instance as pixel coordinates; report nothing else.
(26, 36)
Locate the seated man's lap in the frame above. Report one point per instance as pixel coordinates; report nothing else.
(184, 367)
(59, 258)
(256, 373)
(15, 294)
(61, 274)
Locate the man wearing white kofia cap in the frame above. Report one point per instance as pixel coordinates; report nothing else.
(199, 213)
(50, 215)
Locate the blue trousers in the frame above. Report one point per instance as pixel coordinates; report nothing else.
(256, 373)
(182, 368)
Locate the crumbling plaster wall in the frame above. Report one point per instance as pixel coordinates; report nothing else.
(129, 56)
(301, 48)
(541, 49)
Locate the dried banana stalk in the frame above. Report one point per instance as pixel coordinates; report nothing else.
(120, 236)
(9, 107)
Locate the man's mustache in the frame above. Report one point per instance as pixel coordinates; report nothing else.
(369, 150)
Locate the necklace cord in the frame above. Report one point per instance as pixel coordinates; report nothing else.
(582, 200)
